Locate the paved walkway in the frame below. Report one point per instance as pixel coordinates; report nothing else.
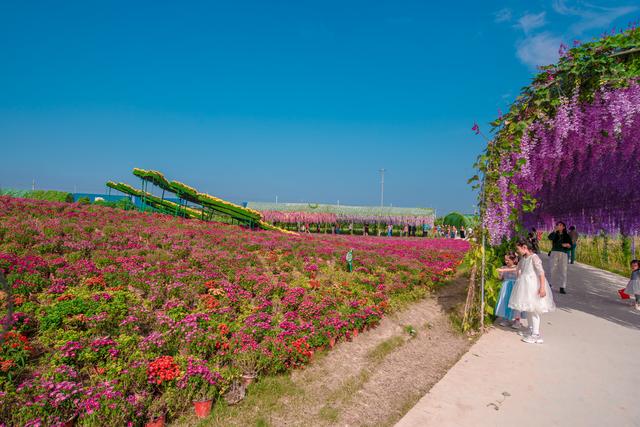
(587, 373)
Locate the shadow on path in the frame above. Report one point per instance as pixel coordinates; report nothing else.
(595, 292)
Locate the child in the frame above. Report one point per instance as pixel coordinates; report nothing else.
(508, 275)
(531, 292)
(633, 287)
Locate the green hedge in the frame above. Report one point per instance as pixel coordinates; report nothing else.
(50, 195)
(456, 219)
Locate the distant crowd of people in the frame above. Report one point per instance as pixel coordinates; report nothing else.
(406, 230)
(453, 232)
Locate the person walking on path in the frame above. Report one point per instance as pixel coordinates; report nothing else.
(531, 292)
(389, 230)
(366, 229)
(560, 248)
(633, 287)
(574, 242)
(405, 231)
(462, 233)
(508, 275)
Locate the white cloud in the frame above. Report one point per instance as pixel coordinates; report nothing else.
(503, 15)
(591, 16)
(539, 49)
(531, 21)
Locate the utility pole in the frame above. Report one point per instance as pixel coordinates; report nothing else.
(381, 187)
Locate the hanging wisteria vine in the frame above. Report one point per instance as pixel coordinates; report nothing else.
(569, 148)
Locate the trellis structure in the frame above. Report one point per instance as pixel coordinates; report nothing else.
(568, 149)
(327, 213)
(191, 203)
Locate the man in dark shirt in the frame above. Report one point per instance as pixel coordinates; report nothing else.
(561, 246)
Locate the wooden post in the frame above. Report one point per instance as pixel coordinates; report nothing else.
(470, 296)
(484, 234)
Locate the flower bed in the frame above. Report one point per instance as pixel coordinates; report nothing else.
(123, 316)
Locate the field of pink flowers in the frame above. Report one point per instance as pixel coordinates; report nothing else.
(121, 316)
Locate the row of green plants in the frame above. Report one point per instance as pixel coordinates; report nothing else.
(49, 195)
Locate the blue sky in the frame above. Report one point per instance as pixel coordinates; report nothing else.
(250, 100)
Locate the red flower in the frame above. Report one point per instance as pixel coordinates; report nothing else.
(164, 368)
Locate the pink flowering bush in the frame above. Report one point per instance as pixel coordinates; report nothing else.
(115, 310)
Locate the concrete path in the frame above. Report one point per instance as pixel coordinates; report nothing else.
(587, 373)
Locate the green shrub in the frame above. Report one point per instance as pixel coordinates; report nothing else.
(124, 204)
(50, 195)
(13, 193)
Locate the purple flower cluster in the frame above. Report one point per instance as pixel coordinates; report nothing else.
(105, 342)
(102, 393)
(70, 349)
(582, 166)
(198, 370)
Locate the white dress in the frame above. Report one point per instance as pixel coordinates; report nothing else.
(524, 296)
(633, 287)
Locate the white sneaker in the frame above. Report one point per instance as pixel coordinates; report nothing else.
(637, 306)
(524, 332)
(503, 323)
(533, 339)
(516, 325)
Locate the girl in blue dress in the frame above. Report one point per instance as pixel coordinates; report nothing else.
(508, 317)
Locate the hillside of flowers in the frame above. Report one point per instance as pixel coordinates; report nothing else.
(569, 147)
(114, 317)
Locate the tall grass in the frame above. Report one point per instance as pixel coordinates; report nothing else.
(611, 253)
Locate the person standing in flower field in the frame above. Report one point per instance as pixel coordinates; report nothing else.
(425, 229)
(574, 243)
(561, 246)
(531, 292)
(389, 230)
